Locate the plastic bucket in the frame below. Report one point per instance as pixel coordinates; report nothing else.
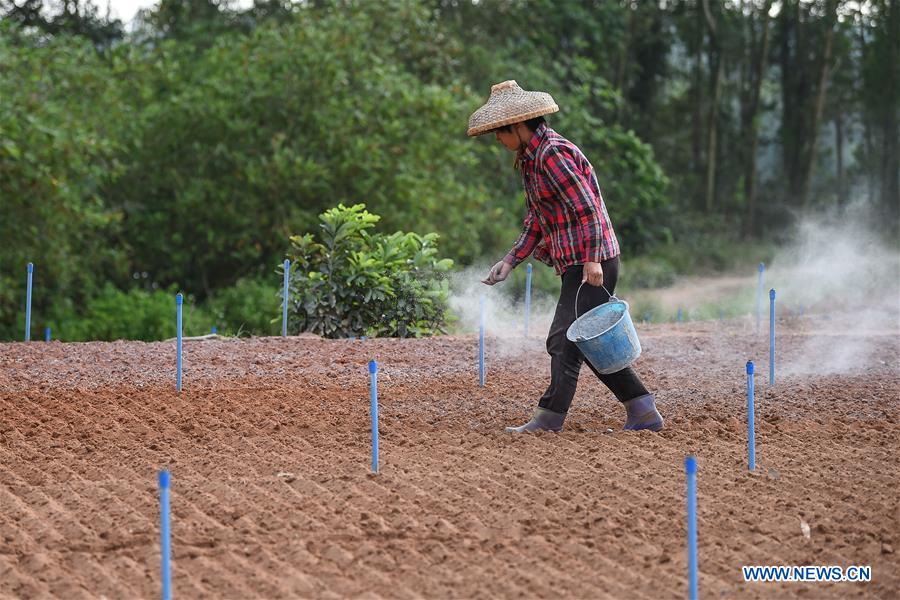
(606, 336)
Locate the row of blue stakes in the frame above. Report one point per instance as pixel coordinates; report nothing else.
(690, 461)
(284, 315)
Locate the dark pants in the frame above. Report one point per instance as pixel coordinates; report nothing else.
(566, 358)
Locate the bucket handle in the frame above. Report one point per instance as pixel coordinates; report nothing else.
(611, 296)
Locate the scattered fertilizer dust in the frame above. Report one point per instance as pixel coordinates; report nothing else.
(835, 278)
(504, 317)
(848, 278)
(690, 292)
(269, 450)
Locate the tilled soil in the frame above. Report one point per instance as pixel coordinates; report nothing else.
(272, 496)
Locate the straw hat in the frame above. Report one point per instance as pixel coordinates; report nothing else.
(509, 104)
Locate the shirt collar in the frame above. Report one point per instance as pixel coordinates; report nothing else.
(536, 140)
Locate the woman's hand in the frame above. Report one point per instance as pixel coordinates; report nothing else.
(498, 273)
(593, 274)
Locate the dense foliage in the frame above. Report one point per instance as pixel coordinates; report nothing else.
(59, 145)
(248, 307)
(136, 315)
(185, 154)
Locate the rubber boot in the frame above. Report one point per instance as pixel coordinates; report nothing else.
(543, 420)
(641, 413)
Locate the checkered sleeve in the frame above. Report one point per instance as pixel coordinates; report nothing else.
(527, 242)
(542, 253)
(574, 189)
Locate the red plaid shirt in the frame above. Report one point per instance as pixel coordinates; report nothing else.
(566, 223)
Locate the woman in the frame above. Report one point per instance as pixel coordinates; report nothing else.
(567, 227)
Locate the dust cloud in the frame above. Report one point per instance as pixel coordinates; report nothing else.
(504, 316)
(835, 279)
(847, 279)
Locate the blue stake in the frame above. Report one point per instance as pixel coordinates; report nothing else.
(481, 346)
(759, 295)
(646, 317)
(690, 467)
(165, 540)
(46, 334)
(28, 304)
(214, 329)
(527, 297)
(751, 419)
(284, 310)
(679, 317)
(373, 394)
(179, 299)
(771, 337)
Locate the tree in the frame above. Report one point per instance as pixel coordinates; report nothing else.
(757, 47)
(717, 67)
(881, 103)
(806, 38)
(58, 17)
(259, 133)
(58, 148)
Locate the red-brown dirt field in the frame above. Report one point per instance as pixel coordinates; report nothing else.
(272, 496)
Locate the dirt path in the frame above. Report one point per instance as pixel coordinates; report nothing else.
(268, 446)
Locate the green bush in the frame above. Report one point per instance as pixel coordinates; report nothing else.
(251, 307)
(356, 282)
(135, 314)
(646, 309)
(646, 272)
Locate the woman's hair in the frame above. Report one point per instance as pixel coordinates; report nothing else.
(531, 124)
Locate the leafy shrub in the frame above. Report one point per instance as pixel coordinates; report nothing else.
(135, 314)
(251, 306)
(646, 272)
(356, 282)
(645, 309)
